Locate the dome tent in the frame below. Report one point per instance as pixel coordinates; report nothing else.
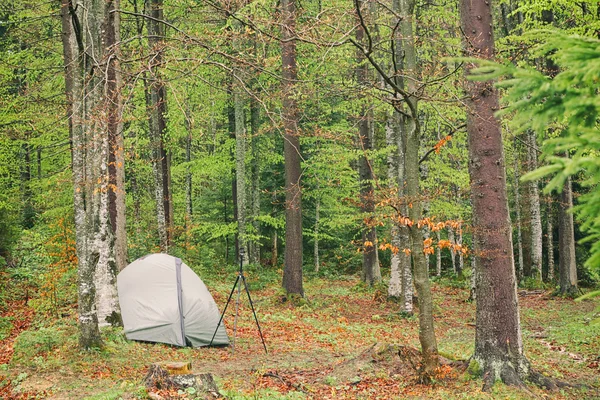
(163, 300)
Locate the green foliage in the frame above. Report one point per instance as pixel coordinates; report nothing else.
(35, 344)
(566, 105)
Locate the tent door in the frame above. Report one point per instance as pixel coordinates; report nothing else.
(180, 300)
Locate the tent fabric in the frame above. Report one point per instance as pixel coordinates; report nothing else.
(163, 300)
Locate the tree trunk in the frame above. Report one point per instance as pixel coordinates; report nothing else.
(188, 173)
(316, 232)
(116, 155)
(461, 261)
(413, 197)
(274, 251)
(438, 256)
(566, 243)
(87, 54)
(255, 176)
(498, 340)
(452, 241)
(156, 102)
(28, 212)
(518, 216)
(550, 237)
(240, 169)
(534, 210)
(370, 266)
(395, 283)
(292, 271)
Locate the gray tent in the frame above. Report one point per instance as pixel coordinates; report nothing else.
(163, 300)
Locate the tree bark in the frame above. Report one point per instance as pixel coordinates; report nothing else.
(316, 232)
(534, 210)
(116, 155)
(498, 340)
(550, 237)
(255, 176)
(240, 169)
(370, 266)
(452, 240)
(438, 256)
(292, 271)
(189, 209)
(566, 243)
(87, 55)
(156, 101)
(427, 338)
(519, 270)
(395, 283)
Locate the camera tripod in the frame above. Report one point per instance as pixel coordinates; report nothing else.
(239, 278)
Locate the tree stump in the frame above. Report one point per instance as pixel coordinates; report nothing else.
(176, 376)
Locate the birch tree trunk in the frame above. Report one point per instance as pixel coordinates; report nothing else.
(292, 271)
(534, 210)
(90, 87)
(395, 283)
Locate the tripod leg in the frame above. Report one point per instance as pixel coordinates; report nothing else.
(254, 313)
(235, 321)
(225, 309)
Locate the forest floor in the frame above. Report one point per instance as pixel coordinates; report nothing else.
(342, 343)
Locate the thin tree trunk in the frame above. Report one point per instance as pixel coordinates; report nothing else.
(188, 173)
(452, 241)
(518, 215)
(116, 155)
(403, 38)
(566, 243)
(438, 256)
(395, 283)
(369, 234)
(550, 237)
(28, 212)
(292, 271)
(316, 232)
(255, 174)
(461, 260)
(231, 117)
(498, 340)
(411, 124)
(39, 163)
(240, 169)
(274, 250)
(534, 210)
(156, 105)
